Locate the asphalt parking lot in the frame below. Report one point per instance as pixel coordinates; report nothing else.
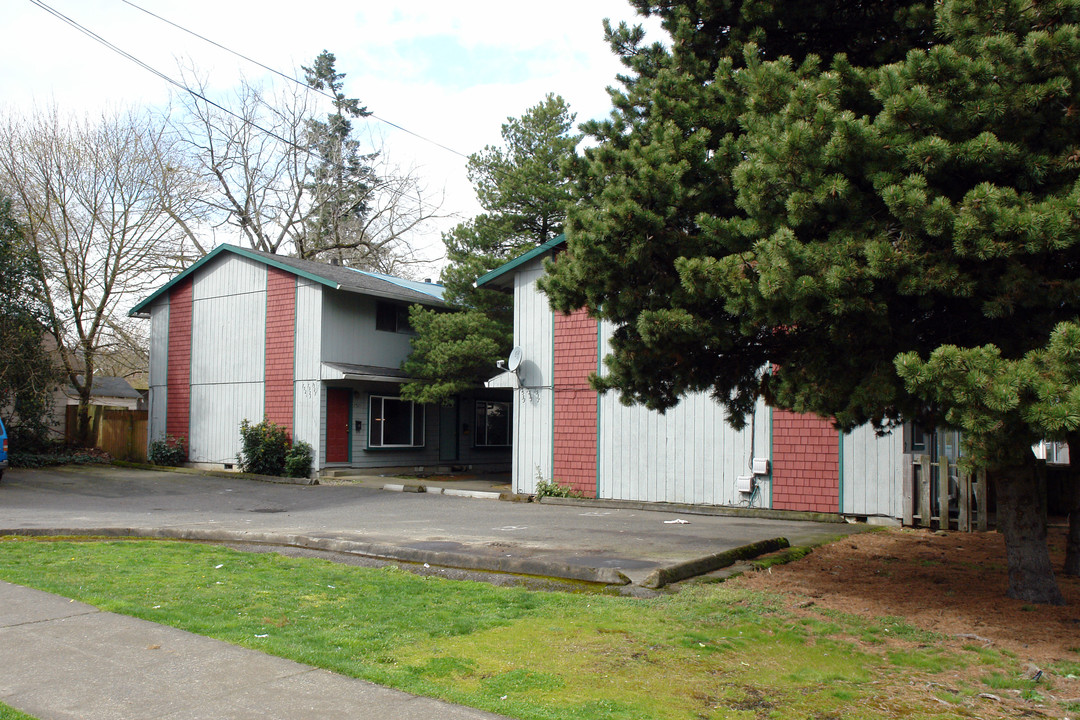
(590, 542)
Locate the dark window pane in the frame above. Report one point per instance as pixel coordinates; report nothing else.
(386, 316)
(397, 422)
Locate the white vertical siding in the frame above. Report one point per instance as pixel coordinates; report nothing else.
(217, 411)
(307, 368)
(229, 274)
(533, 408)
(690, 454)
(159, 363)
(872, 473)
(228, 350)
(228, 339)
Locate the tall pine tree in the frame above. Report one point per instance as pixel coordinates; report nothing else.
(342, 181)
(837, 192)
(524, 191)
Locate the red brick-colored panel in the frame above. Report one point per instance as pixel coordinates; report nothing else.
(805, 464)
(178, 367)
(280, 347)
(575, 345)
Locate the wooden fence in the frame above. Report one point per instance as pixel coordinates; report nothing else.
(937, 493)
(117, 431)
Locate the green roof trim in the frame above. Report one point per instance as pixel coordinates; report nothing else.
(521, 260)
(144, 306)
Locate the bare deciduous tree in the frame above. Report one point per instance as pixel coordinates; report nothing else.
(258, 162)
(89, 194)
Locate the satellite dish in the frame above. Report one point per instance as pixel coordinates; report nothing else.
(515, 359)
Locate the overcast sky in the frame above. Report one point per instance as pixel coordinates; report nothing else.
(449, 71)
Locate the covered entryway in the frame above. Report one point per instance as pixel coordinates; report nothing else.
(338, 422)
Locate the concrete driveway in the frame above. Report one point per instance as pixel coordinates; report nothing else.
(587, 542)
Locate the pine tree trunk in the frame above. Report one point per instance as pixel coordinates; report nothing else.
(1072, 540)
(1021, 518)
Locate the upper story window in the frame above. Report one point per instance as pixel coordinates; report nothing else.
(492, 424)
(392, 317)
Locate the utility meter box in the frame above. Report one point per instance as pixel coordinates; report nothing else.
(761, 466)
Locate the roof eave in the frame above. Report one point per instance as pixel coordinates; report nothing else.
(517, 262)
(142, 309)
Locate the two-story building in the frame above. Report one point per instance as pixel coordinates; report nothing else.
(315, 348)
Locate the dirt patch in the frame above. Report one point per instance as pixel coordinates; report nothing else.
(953, 584)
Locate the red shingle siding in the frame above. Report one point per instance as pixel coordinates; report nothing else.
(806, 463)
(575, 402)
(280, 345)
(178, 370)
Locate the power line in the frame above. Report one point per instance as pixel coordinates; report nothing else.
(284, 75)
(128, 56)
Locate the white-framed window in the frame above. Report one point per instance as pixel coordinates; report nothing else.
(393, 422)
(492, 424)
(1053, 452)
(392, 317)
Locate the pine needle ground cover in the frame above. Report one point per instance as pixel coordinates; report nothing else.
(708, 651)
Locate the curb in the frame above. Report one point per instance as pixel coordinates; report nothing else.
(279, 480)
(379, 551)
(716, 510)
(699, 566)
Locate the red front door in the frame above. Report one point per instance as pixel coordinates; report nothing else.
(338, 404)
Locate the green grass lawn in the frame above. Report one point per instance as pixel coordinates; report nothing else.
(710, 651)
(10, 713)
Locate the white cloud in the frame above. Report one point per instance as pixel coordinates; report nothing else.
(451, 72)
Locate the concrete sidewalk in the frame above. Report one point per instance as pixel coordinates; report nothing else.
(66, 660)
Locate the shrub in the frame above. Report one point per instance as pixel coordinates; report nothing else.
(262, 448)
(552, 488)
(298, 460)
(170, 452)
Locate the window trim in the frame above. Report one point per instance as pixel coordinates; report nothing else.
(414, 424)
(509, 425)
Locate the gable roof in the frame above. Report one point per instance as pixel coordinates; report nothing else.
(338, 277)
(108, 386)
(503, 270)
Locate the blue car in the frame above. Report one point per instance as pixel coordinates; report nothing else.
(3, 449)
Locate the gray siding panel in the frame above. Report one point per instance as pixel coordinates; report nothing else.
(349, 333)
(872, 473)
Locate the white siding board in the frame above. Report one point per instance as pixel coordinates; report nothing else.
(533, 440)
(689, 454)
(159, 363)
(228, 339)
(872, 473)
(229, 274)
(308, 389)
(307, 356)
(215, 436)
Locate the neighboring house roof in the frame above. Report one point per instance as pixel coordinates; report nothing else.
(500, 276)
(115, 387)
(338, 277)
